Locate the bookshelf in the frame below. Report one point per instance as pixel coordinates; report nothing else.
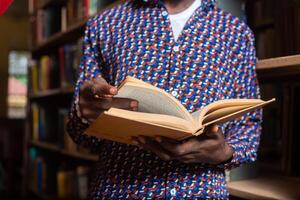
(63, 153)
(73, 32)
(277, 169)
(51, 159)
(275, 180)
(51, 93)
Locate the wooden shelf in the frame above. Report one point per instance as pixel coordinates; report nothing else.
(271, 187)
(51, 93)
(278, 62)
(74, 31)
(281, 68)
(48, 3)
(263, 25)
(55, 149)
(42, 196)
(44, 145)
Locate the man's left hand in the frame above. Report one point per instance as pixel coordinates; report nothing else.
(209, 147)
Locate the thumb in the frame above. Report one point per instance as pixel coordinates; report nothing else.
(212, 130)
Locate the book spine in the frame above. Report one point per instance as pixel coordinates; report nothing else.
(86, 5)
(64, 20)
(35, 122)
(61, 53)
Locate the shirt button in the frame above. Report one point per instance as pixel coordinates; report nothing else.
(164, 13)
(174, 93)
(176, 48)
(173, 192)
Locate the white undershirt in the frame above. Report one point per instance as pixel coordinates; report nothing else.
(179, 20)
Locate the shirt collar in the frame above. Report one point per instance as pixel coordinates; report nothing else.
(205, 3)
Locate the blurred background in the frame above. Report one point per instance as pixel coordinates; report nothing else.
(40, 45)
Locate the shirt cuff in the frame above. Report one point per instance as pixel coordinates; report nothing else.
(78, 112)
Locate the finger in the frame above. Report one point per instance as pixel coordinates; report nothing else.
(125, 103)
(178, 148)
(105, 103)
(212, 131)
(90, 115)
(135, 141)
(101, 88)
(197, 158)
(190, 158)
(213, 128)
(151, 145)
(190, 161)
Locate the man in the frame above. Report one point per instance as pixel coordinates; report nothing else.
(196, 52)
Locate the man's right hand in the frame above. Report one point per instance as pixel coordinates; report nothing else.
(97, 95)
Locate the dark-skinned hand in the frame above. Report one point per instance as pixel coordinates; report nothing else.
(209, 147)
(97, 95)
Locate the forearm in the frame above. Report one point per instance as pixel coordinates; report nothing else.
(77, 125)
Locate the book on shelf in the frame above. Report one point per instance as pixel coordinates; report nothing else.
(33, 76)
(265, 41)
(56, 70)
(69, 61)
(271, 148)
(65, 181)
(161, 114)
(44, 128)
(58, 17)
(65, 140)
(48, 72)
(32, 6)
(73, 183)
(263, 10)
(82, 173)
(44, 74)
(38, 172)
(48, 23)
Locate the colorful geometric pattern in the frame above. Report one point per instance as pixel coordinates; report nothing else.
(213, 58)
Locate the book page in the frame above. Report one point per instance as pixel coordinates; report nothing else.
(222, 106)
(121, 130)
(157, 119)
(226, 103)
(196, 115)
(154, 100)
(230, 113)
(216, 114)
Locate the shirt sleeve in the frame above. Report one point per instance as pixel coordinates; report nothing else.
(243, 134)
(91, 66)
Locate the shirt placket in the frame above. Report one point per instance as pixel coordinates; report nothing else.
(173, 62)
(175, 74)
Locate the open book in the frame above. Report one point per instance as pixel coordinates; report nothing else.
(161, 114)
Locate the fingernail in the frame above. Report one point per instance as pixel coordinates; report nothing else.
(134, 142)
(142, 140)
(158, 139)
(113, 90)
(215, 128)
(134, 104)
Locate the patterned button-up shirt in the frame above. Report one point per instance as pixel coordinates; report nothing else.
(213, 58)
